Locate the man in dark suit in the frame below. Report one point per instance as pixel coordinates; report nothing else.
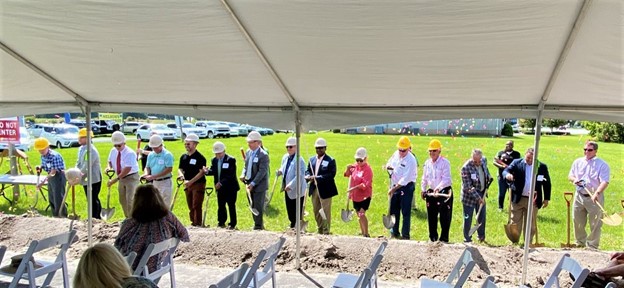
(256, 175)
(320, 173)
(223, 168)
(518, 172)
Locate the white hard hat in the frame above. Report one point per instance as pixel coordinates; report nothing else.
(118, 138)
(155, 141)
(292, 141)
(254, 136)
(320, 142)
(360, 153)
(218, 147)
(192, 137)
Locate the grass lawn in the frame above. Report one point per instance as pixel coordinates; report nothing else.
(557, 152)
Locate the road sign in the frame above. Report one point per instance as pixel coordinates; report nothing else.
(9, 130)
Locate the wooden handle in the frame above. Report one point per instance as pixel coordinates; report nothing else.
(568, 196)
(243, 153)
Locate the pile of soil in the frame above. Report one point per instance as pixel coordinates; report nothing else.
(403, 260)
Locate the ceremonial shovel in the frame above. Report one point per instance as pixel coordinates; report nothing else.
(477, 225)
(511, 229)
(388, 219)
(270, 195)
(179, 182)
(33, 209)
(254, 211)
(568, 197)
(611, 220)
(108, 212)
(206, 205)
(347, 214)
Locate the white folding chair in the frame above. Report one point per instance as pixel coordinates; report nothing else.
(348, 280)
(611, 285)
(268, 272)
(28, 271)
(567, 264)
(465, 262)
(250, 274)
(362, 281)
(232, 280)
(164, 252)
(489, 283)
(130, 258)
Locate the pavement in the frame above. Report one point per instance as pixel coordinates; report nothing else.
(188, 275)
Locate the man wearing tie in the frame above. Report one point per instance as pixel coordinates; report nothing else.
(320, 173)
(223, 168)
(122, 160)
(255, 175)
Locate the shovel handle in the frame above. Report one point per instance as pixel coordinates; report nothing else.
(142, 180)
(38, 168)
(179, 181)
(110, 174)
(243, 154)
(622, 202)
(568, 197)
(209, 189)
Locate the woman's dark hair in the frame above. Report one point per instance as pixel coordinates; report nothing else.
(148, 205)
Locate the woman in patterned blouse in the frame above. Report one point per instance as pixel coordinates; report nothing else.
(150, 222)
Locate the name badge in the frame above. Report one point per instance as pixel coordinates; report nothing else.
(193, 161)
(540, 178)
(225, 166)
(49, 165)
(161, 162)
(324, 163)
(255, 160)
(473, 176)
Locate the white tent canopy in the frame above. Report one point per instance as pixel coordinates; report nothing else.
(344, 63)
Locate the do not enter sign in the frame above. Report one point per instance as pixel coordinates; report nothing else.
(9, 130)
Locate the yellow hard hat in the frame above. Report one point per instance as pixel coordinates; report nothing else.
(41, 143)
(435, 144)
(83, 133)
(404, 143)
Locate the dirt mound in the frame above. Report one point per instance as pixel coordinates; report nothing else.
(403, 260)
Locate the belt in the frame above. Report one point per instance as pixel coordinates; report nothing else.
(129, 175)
(584, 195)
(163, 179)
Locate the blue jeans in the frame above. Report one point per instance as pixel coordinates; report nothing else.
(502, 190)
(401, 203)
(468, 212)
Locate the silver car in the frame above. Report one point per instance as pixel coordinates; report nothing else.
(145, 131)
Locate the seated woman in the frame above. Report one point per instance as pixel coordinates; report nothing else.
(150, 222)
(102, 266)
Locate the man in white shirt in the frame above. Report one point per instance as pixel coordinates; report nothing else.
(593, 173)
(403, 173)
(123, 161)
(437, 180)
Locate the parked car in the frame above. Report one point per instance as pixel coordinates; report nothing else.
(144, 132)
(36, 129)
(188, 128)
(61, 135)
(214, 129)
(81, 124)
(107, 126)
(236, 129)
(130, 127)
(262, 131)
(25, 142)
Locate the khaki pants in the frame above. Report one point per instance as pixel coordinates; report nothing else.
(582, 208)
(519, 214)
(165, 189)
(317, 201)
(127, 186)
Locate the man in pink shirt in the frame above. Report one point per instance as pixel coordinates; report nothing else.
(592, 173)
(437, 180)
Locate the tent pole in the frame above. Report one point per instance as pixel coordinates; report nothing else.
(298, 180)
(44, 74)
(87, 110)
(527, 232)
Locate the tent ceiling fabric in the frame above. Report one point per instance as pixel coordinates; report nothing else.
(345, 62)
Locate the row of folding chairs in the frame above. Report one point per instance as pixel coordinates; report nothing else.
(29, 271)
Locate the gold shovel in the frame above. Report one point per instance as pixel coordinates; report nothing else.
(511, 229)
(568, 197)
(611, 220)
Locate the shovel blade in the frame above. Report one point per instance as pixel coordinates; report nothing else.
(107, 213)
(322, 213)
(473, 229)
(346, 215)
(254, 211)
(612, 220)
(388, 221)
(512, 232)
(304, 225)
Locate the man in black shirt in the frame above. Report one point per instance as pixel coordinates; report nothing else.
(501, 161)
(190, 170)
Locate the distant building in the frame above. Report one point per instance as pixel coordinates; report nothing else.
(457, 127)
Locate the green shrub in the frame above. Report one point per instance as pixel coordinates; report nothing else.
(507, 130)
(605, 131)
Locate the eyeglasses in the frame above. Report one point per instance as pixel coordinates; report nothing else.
(118, 145)
(290, 147)
(320, 148)
(402, 150)
(588, 150)
(433, 151)
(359, 160)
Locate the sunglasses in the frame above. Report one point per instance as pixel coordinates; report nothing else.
(359, 160)
(320, 148)
(433, 151)
(118, 145)
(402, 150)
(589, 150)
(290, 147)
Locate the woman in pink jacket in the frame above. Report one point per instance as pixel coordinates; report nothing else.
(361, 183)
